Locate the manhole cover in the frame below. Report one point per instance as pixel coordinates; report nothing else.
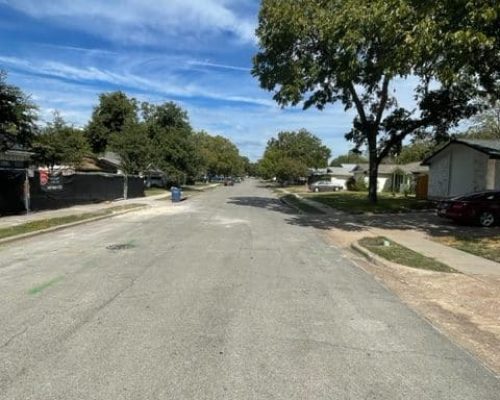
(117, 247)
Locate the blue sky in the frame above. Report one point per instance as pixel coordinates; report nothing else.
(194, 52)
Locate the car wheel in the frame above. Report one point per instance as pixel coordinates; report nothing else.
(486, 219)
(316, 190)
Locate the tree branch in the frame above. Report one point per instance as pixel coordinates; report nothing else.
(358, 103)
(398, 137)
(383, 100)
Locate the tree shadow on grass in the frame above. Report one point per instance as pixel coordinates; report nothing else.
(425, 221)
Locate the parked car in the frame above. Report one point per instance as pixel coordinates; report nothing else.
(155, 181)
(482, 208)
(324, 186)
(228, 182)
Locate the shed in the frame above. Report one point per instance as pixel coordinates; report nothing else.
(464, 166)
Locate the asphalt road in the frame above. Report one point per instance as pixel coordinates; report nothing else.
(226, 296)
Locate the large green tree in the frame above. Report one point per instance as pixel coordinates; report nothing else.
(133, 147)
(17, 116)
(114, 111)
(218, 156)
(317, 52)
(171, 135)
(60, 144)
(289, 156)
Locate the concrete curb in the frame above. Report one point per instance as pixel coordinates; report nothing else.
(308, 202)
(291, 205)
(371, 257)
(64, 226)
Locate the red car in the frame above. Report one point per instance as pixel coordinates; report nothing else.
(482, 208)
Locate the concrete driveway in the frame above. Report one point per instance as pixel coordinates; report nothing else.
(220, 297)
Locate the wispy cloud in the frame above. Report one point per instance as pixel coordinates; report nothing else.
(165, 86)
(218, 66)
(143, 20)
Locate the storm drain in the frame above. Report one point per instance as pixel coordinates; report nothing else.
(118, 247)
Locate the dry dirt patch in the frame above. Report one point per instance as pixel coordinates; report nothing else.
(465, 308)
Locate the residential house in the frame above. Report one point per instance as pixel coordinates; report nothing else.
(464, 166)
(393, 177)
(339, 176)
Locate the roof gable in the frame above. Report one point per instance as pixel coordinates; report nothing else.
(489, 147)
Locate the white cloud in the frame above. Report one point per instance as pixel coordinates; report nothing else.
(170, 84)
(140, 21)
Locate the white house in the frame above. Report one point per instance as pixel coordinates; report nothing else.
(392, 177)
(337, 175)
(464, 166)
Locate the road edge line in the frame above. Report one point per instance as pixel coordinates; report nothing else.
(65, 226)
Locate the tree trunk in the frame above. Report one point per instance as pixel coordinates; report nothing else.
(125, 186)
(373, 169)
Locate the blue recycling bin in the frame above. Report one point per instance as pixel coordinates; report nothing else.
(176, 194)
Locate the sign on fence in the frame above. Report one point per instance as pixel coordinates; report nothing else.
(50, 182)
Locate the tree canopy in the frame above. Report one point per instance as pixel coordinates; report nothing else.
(289, 156)
(349, 158)
(317, 52)
(114, 111)
(60, 144)
(17, 116)
(133, 146)
(145, 136)
(171, 136)
(485, 125)
(218, 156)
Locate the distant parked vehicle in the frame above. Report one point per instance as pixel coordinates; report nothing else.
(228, 182)
(482, 208)
(155, 181)
(324, 186)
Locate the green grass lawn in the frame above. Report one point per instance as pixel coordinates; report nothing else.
(486, 247)
(396, 253)
(297, 189)
(300, 205)
(52, 222)
(357, 202)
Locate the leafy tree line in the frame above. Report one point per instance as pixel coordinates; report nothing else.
(290, 155)
(145, 136)
(319, 52)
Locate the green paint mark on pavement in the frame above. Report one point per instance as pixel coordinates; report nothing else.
(45, 285)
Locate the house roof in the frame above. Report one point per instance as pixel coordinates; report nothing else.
(337, 171)
(389, 169)
(415, 168)
(318, 171)
(382, 168)
(349, 167)
(489, 147)
(111, 158)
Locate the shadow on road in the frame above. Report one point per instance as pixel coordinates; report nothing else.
(426, 222)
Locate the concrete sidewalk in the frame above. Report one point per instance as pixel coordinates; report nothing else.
(415, 240)
(464, 262)
(9, 221)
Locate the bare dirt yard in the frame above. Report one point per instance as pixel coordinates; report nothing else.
(463, 307)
